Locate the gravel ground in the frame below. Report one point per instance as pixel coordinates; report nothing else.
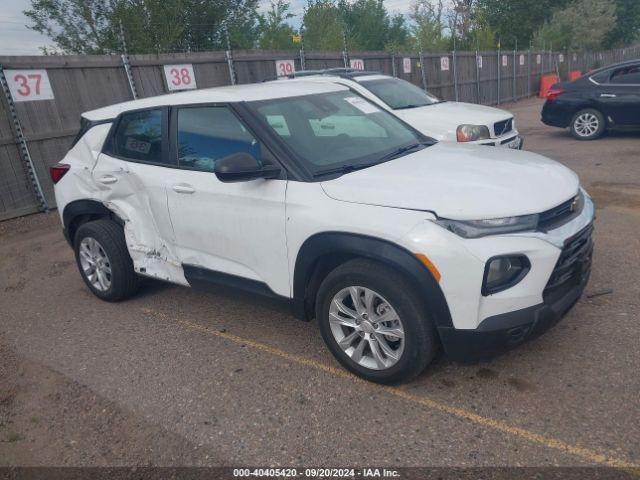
(178, 377)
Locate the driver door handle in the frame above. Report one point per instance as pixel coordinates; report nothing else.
(183, 188)
(608, 95)
(108, 179)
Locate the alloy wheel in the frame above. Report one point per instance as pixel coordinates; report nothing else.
(366, 327)
(95, 263)
(586, 124)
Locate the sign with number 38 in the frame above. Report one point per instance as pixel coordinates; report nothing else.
(27, 85)
(180, 77)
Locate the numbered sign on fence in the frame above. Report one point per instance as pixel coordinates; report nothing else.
(356, 63)
(285, 67)
(521, 59)
(444, 63)
(538, 59)
(406, 65)
(479, 61)
(180, 77)
(29, 85)
(505, 60)
(561, 58)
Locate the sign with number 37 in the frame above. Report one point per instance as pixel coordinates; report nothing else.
(28, 85)
(180, 77)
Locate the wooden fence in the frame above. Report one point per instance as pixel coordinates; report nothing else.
(36, 134)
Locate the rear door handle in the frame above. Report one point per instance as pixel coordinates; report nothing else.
(108, 179)
(183, 188)
(608, 95)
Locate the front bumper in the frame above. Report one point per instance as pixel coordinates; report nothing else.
(515, 142)
(499, 333)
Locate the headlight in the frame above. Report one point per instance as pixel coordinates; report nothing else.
(494, 226)
(471, 133)
(501, 273)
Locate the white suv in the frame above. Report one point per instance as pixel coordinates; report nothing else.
(308, 192)
(444, 121)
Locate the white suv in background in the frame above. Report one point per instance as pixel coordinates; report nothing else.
(310, 193)
(444, 121)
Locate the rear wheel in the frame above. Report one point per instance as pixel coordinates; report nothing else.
(588, 124)
(104, 261)
(374, 323)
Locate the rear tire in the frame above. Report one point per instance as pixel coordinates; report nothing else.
(588, 124)
(379, 350)
(104, 261)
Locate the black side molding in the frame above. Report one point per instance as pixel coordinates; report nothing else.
(82, 208)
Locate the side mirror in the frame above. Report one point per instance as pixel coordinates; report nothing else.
(242, 167)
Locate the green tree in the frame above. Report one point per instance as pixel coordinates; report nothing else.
(93, 26)
(323, 26)
(583, 24)
(428, 26)
(516, 20)
(274, 31)
(627, 28)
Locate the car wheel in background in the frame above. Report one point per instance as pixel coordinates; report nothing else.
(587, 124)
(104, 261)
(374, 322)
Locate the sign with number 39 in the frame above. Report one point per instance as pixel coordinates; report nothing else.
(180, 77)
(28, 85)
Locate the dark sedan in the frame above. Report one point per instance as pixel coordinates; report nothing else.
(608, 98)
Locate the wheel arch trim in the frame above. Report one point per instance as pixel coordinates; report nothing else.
(341, 243)
(79, 208)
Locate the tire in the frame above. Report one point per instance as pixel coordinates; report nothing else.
(588, 124)
(383, 287)
(100, 246)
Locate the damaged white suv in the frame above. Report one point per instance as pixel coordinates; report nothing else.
(308, 192)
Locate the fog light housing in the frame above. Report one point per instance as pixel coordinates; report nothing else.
(503, 272)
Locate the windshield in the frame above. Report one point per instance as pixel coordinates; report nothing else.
(398, 93)
(337, 130)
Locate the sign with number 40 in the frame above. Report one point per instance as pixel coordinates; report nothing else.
(28, 85)
(180, 77)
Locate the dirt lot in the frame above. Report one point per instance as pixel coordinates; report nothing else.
(178, 377)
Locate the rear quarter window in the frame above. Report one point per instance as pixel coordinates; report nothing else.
(138, 136)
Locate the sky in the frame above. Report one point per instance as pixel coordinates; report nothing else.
(17, 39)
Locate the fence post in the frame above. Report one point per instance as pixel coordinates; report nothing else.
(345, 56)
(499, 68)
(422, 72)
(529, 72)
(127, 65)
(393, 64)
(302, 59)
(477, 79)
(22, 142)
(229, 55)
(455, 73)
(514, 87)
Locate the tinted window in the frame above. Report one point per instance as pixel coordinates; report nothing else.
(139, 136)
(207, 134)
(629, 75)
(602, 77)
(335, 129)
(398, 93)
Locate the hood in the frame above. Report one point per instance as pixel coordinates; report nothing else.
(441, 120)
(459, 182)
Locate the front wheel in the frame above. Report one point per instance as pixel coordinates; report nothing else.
(374, 323)
(588, 124)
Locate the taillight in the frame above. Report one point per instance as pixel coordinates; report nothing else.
(58, 171)
(553, 93)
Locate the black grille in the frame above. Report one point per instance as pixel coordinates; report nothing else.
(561, 214)
(574, 264)
(503, 127)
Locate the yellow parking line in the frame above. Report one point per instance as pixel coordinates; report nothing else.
(590, 455)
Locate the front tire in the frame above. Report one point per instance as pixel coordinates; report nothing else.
(588, 124)
(374, 323)
(104, 261)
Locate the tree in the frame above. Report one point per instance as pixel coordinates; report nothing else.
(583, 24)
(516, 20)
(275, 33)
(428, 25)
(627, 28)
(93, 26)
(323, 26)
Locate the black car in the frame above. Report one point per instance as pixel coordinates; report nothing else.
(608, 98)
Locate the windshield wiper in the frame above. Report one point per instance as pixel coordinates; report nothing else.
(344, 169)
(402, 150)
(411, 105)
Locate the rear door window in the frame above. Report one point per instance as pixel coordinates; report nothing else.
(138, 136)
(629, 75)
